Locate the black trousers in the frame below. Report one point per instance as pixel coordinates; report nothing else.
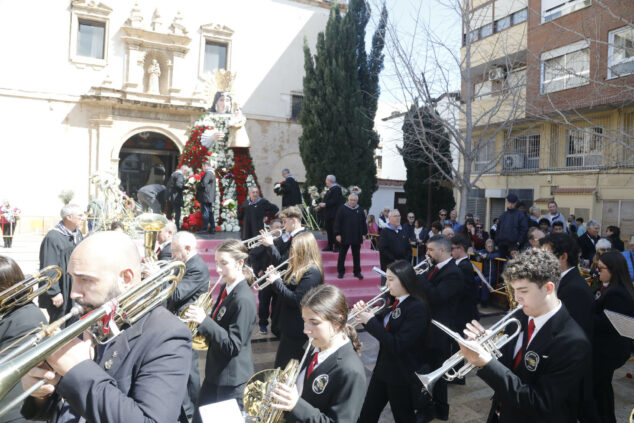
(288, 349)
(175, 208)
(211, 393)
(603, 393)
(400, 397)
(356, 258)
(8, 232)
(266, 303)
(330, 231)
(193, 387)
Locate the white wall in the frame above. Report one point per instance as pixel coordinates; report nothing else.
(391, 134)
(383, 197)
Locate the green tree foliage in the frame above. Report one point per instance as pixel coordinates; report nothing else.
(426, 192)
(340, 94)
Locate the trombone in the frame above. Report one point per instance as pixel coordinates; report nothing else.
(127, 308)
(23, 292)
(259, 286)
(370, 306)
(256, 241)
(493, 340)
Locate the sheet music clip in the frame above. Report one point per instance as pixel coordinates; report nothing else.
(223, 411)
(623, 324)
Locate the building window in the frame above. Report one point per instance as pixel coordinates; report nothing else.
(296, 106)
(621, 52)
(584, 147)
(486, 30)
(553, 9)
(215, 56)
(484, 157)
(519, 16)
(215, 49)
(522, 152)
(91, 39)
(565, 68)
(497, 26)
(502, 24)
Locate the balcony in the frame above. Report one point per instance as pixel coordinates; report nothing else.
(497, 46)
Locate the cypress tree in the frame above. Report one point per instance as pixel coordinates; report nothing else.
(425, 192)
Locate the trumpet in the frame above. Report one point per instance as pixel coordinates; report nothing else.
(206, 302)
(256, 241)
(492, 341)
(24, 292)
(259, 286)
(423, 266)
(127, 308)
(370, 306)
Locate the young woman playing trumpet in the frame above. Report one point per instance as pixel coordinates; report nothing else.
(401, 333)
(331, 384)
(303, 273)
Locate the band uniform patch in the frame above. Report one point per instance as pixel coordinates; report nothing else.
(221, 312)
(319, 384)
(396, 313)
(531, 361)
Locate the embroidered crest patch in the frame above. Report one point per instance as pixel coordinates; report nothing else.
(531, 361)
(396, 313)
(221, 312)
(319, 384)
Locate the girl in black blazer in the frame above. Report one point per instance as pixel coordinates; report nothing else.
(303, 273)
(401, 333)
(331, 383)
(610, 350)
(228, 329)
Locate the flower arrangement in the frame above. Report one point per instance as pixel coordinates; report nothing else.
(353, 189)
(277, 188)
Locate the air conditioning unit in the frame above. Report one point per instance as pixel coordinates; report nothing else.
(497, 74)
(513, 161)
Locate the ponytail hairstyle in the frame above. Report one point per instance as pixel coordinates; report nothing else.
(329, 303)
(238, 251)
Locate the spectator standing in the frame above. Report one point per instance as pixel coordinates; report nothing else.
(9, 217)
(383, 219)
(393, 242)
(534, 215)
(572, 224)
(494, 227)
(613, 234)
(175, 187)
(253, 212)
(512, 227)
(206, 196)
(94, 212)
(581, 228)
(534, 236)
(554, 215)
(588, 241)
(350, 228)
(291, 194)
(453, 220)
(332, 200)
(475, 238)
(373, 229)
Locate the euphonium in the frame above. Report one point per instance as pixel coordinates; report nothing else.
(151, 223)
(27, 289)
(206, 302)
(257, 392)
(127, 308)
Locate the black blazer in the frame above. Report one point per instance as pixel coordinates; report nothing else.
(229, 357)
(587, 246)
(280, 249)
(14, 325)
(175, 187)
(610, 349)
(291, 322)
(402, 344)
(206, 188)
(195, 282)
(577, 296)
(291, 193)
(333, 199)
(334, 391)
(252, 216)
(350, 224)
(467, 305)
(142, 376)
(393, 246)
(443, 291)
(549, 391)
(166, 252)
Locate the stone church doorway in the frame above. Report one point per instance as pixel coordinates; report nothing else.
(146, 158)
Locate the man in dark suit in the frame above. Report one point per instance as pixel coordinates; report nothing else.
(512, 227)
(164, 241)
(393, 242)
(253, 212)
(408, 227)
(206, 195)
(588, 241)
(467, 307)
(443, 285)
(152, 197)
(350, 228)
(537, 378)
(195, 282)
(141, 375)
(332, 200)
(175, 187)
(291, 194)
(55, 250)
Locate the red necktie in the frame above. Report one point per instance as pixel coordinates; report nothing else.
(518, 357)
(222, 297)
(312, 365)
(432, 272)
(158, 251)
(387, 326)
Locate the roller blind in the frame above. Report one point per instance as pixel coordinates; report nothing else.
(506, 7)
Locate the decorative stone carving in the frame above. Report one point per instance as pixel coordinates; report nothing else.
(177, 26)
(136, 18)
(91, 7)
(154, 73)
(157, 21)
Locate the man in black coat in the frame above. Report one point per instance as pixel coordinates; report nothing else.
(467, 307)
(152, 197)
(252, 213)
(393, 242)
(537, 378)
(443, 286)
(291, 194)
(512, 227)
(195, 282)
(164, 241)
(588, 240)
(175, 187)
(206, 195)
(139, 376)
(332, 201)
(408, 227)
(55, 250)
(350, 228)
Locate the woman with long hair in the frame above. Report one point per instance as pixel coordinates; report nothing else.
(304, 272)
(228, 328)
(331, 384)
(401, 332)
(475, 238)
(15, 323)
(610, 350)
(613, 234)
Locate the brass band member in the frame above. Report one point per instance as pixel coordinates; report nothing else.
(304, 272)
(15, 323)
(401, 333)
(537, 378)
(140, 376)
(228, 329)
(330, 387)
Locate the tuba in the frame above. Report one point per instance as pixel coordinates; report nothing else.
(151, 223)
(257, 392)
(126, 309)
(26, 290)
(206, 302)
